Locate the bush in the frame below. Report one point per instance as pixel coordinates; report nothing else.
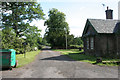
(10, 41)
(8, 38)
(18, 45)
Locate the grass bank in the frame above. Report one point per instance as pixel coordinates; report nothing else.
(30, 56)
(75, 54)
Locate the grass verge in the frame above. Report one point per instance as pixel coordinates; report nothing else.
(30, 56)
(75, 54)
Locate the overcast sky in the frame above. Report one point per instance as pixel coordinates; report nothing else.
(77, 12)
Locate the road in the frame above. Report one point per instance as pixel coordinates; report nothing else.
(51, 64)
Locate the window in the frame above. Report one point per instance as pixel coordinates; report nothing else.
(87, 43)
(92, 43)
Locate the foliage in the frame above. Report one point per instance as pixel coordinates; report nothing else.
(44, 42)
(18, 15)
(16, 19)
(33, 37)
(70, 39)
(9, 40)
(57, 28)
(77, 41)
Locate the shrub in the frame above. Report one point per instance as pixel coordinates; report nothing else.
(10, 41)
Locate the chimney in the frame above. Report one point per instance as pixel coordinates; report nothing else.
(119, 10)
(109, 13)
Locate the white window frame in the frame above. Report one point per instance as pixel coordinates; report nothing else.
(92, 43)
(87, 43)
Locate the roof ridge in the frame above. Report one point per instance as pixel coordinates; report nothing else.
(104, 19)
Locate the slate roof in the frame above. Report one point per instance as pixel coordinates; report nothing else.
(104, 26)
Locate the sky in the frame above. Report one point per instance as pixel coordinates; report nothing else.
(77, 12)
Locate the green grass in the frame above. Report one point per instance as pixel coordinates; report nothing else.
(75, 55)
(30, 56)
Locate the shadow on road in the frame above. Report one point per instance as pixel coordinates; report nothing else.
(4, 69)
(59, 58)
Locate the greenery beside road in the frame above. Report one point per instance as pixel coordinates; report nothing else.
(16, 28)
(30, 56)
(75, 54)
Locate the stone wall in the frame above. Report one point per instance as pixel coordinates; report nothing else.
(104, 46)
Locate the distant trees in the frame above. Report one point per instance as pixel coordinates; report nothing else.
(57, 28)
(70, 39)
(77, 41)
(16, 19)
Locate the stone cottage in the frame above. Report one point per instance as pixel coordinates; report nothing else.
(102, 37)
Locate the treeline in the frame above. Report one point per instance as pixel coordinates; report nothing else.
(72, 43)
(17, 33)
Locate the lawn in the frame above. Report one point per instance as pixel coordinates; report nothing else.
(75, 54)
(30, 56)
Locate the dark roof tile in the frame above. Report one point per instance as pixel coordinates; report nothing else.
(104, 26)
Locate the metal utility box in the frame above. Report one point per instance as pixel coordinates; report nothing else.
(7, 58)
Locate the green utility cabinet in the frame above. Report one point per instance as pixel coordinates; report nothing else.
(7, 58)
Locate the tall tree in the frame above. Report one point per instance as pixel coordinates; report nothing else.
(18, 15)
(57, 28)
(16, 19)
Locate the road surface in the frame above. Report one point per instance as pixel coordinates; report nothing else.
(51, 64)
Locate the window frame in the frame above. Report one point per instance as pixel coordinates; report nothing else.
(88, 44)
(92, 43)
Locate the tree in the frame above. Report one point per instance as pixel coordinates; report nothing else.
(33, 36)
(16, 19)
(9, 40)
(57, 28)
(18, 15)
(44, 41)
(70, 39)
(77, 41)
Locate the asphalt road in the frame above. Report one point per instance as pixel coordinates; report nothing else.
(51, 64)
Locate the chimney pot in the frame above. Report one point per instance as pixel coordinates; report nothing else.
(107, 7)
(109, 13)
